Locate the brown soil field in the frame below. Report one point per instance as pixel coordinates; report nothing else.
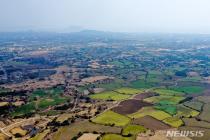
(130, 106)
(151, 123)
(144, 95)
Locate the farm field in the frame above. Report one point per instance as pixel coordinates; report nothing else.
(139, 84)
(197, 105)
(192, 122)
(130, 106)
(115, 137)
(189, 89)
(144, 95)
(69, 132)
(171, 109)
(183, 111)
(163, 99)
(205, 115)
(109, 95)
(150, 123)
(131, 91)
(133, 130)
(111, 118)
(93, 85)
(157, 114)
(168, 92)
(173, 121)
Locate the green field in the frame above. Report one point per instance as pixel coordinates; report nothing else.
(171, 109)
(173, 121)
(165, 100)
(24, 109)
(133, 130)
(115, 137)
(111, 118)
(168, 92)
(189, 89)
(109, 95)
(131, 91)
(140, 84)
(42, 93)
(157, 114)
(45, 103)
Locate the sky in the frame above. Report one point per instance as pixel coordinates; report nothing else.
(174, 16)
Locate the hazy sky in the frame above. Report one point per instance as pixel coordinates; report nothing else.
(107, 15)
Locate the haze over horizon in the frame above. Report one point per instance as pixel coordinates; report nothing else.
(165, 16)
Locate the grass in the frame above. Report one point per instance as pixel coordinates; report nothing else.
(131, 91)
(189, 89)
(164, 100)
(133, 130)
(157, 114)
(173, 121)
(111, 118)
(109, 95)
